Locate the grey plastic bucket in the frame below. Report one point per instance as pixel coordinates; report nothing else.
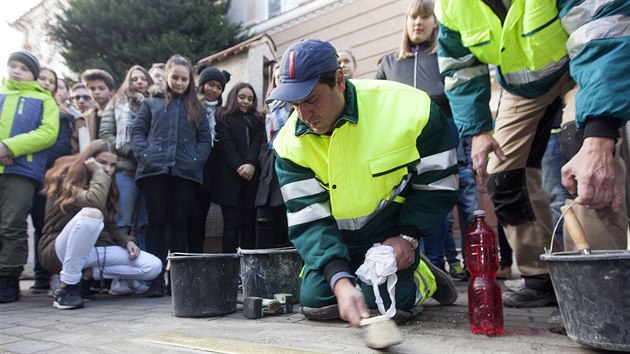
(593, 293)
(265, 272)
(204, 285)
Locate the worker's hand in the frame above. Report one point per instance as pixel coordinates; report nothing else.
(352, 306)
(482, 145)
(403, 250)
(591, 174)
(133, 249)
(246, 171)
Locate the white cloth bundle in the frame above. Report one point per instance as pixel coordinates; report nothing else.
(380, 266)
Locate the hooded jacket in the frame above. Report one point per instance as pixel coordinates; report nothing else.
(29, 123)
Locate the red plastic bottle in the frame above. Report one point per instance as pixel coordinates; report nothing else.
(485, 307)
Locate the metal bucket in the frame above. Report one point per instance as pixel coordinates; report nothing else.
(593, 292)
(266, 272)
(204, 285)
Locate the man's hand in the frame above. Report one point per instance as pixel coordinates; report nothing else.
(405, 254)
(352, 306)
(591, 174)
(482, 145)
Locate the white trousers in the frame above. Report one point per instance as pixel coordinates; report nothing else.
(75, 248)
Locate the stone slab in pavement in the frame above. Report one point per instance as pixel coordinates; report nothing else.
(135, 324)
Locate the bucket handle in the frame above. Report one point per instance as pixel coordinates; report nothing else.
(576, 232)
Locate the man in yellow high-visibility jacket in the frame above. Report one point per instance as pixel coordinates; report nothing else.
(361, 162)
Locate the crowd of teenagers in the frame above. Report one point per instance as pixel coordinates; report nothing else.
(116, 177)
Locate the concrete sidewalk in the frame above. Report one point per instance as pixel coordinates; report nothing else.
(135, 324)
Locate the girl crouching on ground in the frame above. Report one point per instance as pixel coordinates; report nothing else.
(80, 237)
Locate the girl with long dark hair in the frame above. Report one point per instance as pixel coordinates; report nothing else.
(239, 137)
(171, 141)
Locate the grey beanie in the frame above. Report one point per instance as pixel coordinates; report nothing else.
(27, 59)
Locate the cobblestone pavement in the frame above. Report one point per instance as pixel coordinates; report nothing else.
(135, 324)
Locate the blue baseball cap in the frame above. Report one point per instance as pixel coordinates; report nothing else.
(300, 68)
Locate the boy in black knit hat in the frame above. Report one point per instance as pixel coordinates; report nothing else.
(29, 124)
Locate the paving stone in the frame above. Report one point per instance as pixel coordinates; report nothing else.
(126, 320)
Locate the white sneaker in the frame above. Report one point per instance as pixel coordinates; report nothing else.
(120, 287)
(139, 286)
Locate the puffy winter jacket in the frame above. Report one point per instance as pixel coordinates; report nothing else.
(29, 123)
(165, 142)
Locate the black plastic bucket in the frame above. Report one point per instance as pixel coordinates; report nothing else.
(593, 293)
(204, 285)
(270, 271)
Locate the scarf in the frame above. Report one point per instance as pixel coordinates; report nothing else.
(124, 119)
(275, 119)
(211, 108)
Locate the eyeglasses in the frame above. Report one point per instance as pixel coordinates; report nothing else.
(84, 97)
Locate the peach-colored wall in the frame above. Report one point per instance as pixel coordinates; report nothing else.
(370, 29)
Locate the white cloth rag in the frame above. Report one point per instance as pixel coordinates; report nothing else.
(380, 266)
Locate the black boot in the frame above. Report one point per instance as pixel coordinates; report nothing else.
(9, 289)
(157, 287)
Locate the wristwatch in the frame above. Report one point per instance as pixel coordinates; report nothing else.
(412, 240)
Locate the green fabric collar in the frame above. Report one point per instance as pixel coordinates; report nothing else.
(350, 112)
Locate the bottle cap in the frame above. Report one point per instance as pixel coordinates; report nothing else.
(480, 213)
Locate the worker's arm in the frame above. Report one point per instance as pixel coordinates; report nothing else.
(598, 46)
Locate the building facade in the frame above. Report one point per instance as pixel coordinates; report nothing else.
(35, 25)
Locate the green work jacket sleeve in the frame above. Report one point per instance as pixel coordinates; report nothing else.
(466, 84)
(599, 48)
(434, 182)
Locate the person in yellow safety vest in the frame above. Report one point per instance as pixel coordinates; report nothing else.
(361, 162)
(539, 49)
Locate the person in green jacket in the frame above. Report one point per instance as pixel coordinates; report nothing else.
(361, 163)
(29, 123)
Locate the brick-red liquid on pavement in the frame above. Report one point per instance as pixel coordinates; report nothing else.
(485, 307)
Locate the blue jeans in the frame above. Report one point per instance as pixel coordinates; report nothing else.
(552, 181)
(467, 201)
(132, 211)
(466, 206)
(450, 251)
(433, 246)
